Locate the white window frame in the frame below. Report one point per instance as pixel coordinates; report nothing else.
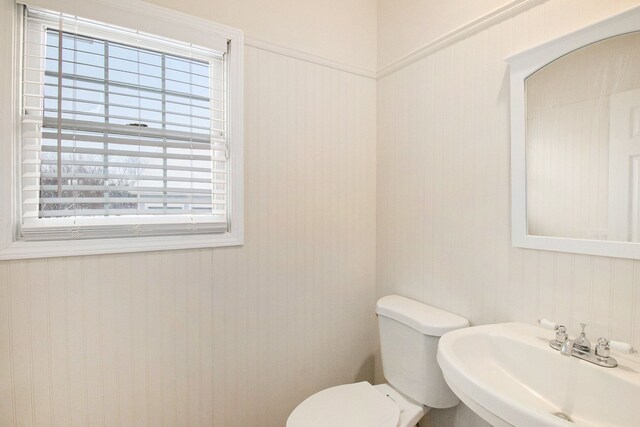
(150, 19)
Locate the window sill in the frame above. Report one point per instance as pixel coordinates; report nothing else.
(49, 249)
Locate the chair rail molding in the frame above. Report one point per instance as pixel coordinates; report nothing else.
(307, 57)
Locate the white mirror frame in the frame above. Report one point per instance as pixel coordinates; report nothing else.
(522, 65)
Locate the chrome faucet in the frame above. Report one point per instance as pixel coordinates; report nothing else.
(582, 343)
(581, 347)
(567, 348)
(603, 350)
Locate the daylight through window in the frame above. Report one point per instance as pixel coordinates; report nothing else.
(122, 133)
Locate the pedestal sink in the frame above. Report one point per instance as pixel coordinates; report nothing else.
(508, 375)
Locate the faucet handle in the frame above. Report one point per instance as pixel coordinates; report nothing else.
(547, 324)
(603, 350)
(561, 334)
(622, 347)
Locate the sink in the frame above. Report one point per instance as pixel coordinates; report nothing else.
(508, 375)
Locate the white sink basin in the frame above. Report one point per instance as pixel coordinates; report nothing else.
(508, 374)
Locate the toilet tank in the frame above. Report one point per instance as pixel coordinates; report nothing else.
(409, 335)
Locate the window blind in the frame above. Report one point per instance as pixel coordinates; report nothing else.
(123, 133)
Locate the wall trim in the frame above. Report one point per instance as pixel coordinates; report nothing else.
(307, 57)
(503, 12)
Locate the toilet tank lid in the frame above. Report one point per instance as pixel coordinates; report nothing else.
(421, 317)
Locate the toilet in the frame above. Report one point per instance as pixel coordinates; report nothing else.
(409, 335)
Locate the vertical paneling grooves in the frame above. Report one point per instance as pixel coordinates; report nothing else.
(217, 337)
(443, 194)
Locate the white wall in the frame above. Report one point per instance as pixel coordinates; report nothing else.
(406, 25)
(443, 194)
(225, 337)
(343, 31)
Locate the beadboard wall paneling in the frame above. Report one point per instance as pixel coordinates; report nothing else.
(443, 195)
(217, 337)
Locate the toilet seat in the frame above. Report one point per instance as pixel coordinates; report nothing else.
(349, 405)
(410, 411)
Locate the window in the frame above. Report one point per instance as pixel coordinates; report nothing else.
(124, 135)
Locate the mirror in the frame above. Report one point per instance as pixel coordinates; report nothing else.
(576, 141)
(583, 143)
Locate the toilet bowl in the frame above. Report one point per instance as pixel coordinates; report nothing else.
(409, 335)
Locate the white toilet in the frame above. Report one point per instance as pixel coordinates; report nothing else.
(409, 334)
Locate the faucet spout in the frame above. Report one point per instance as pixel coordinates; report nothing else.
(567, 348)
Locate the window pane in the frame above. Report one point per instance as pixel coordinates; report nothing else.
(135, 126)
